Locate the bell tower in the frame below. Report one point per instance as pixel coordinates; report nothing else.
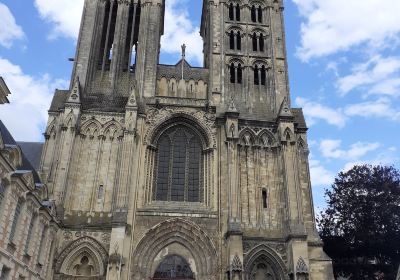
(245, 51)
(111, 56)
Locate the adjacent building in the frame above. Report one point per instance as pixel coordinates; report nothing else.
(27, 226)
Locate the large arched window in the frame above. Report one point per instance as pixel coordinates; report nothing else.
(179, 166)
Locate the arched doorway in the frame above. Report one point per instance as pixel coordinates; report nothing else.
(263, 263)
(173, 267)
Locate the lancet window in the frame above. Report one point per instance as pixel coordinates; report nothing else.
(234, 12)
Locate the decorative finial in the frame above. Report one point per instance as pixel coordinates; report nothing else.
(183, 50)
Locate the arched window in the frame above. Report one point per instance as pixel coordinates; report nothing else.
(42, 243)
(237, 12)
(254, 40)
(239, 74)
(264, 199)
(261, 39)
(232, 73)
(232, 40)
(29, 235)
(260, 15)
(256, 80)
(179, 166)
(238, 41)
(15, 222)
(263, 75)
(253, 13)
(231, 12)
(174, 267)
(2, 197)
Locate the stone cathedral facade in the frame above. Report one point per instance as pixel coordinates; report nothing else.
(179, 172)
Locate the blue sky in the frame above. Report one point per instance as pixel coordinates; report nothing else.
(344, 67)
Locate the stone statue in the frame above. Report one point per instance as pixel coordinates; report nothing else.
(183, 50)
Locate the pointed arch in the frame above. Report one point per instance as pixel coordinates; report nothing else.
(182, 233)
(112, 129)
(75, 251)
(247, 138)
(264, 255)
(266, 139)
(91, 128)
(69, 119)
(288, 135)
(181, 118)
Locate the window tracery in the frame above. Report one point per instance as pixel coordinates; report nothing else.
(179, 162)
(174, 267)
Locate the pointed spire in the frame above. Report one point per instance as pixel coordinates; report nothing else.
(75, 94)
(285, 111)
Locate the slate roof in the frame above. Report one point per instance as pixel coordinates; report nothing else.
(299, 117)
(189, 72)
(33, 152)
(26, 164)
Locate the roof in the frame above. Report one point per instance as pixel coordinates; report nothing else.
(4, 91)
(26, 164)
(189, 72)
(33, 152)
(299, 117)
(59, 99)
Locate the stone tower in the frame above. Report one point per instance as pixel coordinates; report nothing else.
(180, 172)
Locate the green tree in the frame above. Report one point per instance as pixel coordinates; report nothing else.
(361, 225)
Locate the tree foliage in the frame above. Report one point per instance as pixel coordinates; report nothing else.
(361, 225)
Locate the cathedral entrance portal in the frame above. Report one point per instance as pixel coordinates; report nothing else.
(173, 267)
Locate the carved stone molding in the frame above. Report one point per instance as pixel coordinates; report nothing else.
(156, 117)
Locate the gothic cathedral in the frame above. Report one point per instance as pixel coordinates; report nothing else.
(179, 172)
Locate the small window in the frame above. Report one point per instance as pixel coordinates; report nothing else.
(260, 15)
(29, 236)
(232, 73)
(263, 75)
(254, 40)
(238, 41)
(16, 219)
(2, 197)
(261, 39)
(239, 74)
(256, 79)
(231, 11)
(232, 40)
(264, 199)
(253, 14)
(100, 193)
(237, 12)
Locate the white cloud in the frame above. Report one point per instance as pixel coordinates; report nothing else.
(179, 29)
(387, 157)
(378, 75)
(380, 108)
(9, 30)
(320, 176)
(337, 25)
(30, 99)
(331, 149)
(315, 111)
(64, 14)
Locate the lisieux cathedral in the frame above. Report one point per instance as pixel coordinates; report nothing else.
(153, 171)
